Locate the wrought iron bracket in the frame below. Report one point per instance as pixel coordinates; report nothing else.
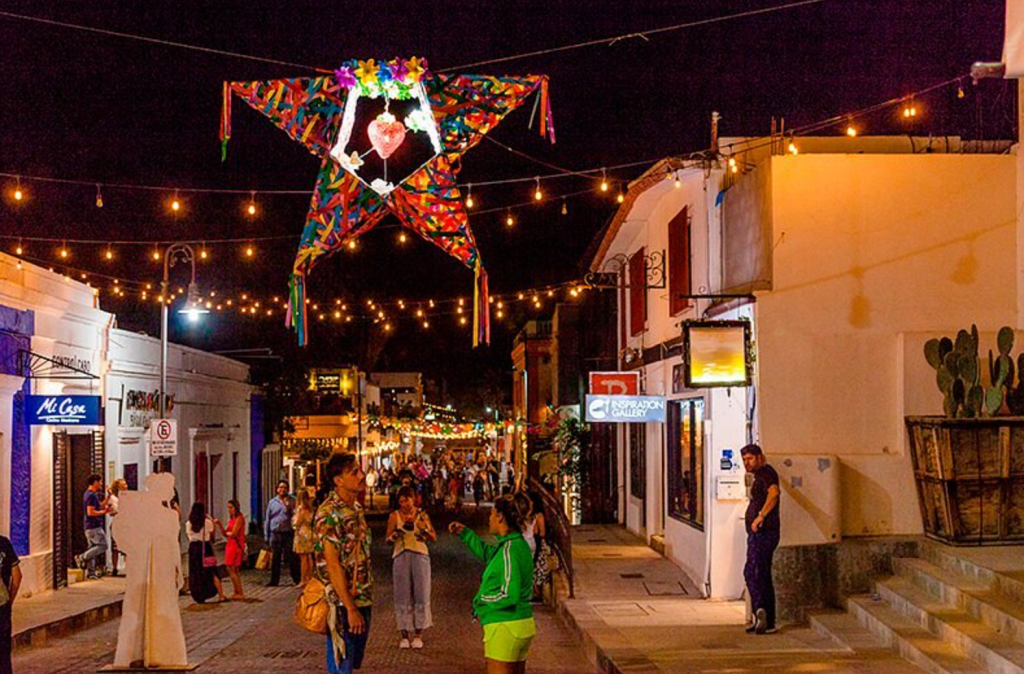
(655, 277)
(43, 367)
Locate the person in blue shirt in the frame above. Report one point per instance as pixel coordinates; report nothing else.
(278, 531)
(94, 522)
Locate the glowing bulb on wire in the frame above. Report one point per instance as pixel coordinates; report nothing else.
(604, 180)
(851, 131)
(537, 194)
(509, 221)
(469, 196)
(99, 197)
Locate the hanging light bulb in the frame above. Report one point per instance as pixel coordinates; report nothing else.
(501, 314)
(509, 221)
(352, 244)
(64, 251)
(431, 303)
(960, 92)
(462, 320)
(402, 238)
(175, 203)
(109, 255)
(19, 250)
(202, 253)
(251, 209)
(18, 194)
(99, 196)
(793, 149)
(604, 180)
(537, 194)
(851, 131)
(249, 251)
(469, 196)
(678, 183)
(620, 197)
(156, 255)
(426, 324)
(565, 209)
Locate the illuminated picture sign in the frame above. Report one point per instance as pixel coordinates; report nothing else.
(625, 409)
(717, 353)
(63, 410)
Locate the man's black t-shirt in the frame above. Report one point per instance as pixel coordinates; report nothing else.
(763, 479)
(8, 560)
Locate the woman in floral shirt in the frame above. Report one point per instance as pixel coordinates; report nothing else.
(343, 563)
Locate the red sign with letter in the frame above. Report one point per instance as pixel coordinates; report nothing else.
(615, 383)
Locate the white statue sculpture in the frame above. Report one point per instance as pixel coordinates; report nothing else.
(150, 634)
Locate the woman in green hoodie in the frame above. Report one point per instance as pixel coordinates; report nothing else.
(502, 604)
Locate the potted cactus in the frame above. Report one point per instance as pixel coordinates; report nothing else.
(969, 463)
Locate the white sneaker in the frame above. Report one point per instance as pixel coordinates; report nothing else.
(417, 642)
(404, 643)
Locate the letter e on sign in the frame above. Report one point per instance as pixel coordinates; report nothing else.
(163, 437)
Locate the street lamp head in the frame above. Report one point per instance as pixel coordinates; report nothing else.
(193, 308)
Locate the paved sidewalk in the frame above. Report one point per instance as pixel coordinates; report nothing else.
(635, 611)
(54, 612)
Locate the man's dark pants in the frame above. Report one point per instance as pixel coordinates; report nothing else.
(758, 572)
(5, 638)
(281, 547)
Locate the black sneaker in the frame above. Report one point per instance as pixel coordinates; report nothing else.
(761, 621)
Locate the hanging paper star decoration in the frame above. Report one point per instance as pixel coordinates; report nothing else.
(455, 111)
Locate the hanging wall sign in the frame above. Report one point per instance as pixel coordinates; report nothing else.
(64, 410)
(615, 383)
(717, 353)
(625, 409)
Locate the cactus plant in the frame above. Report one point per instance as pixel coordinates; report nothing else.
(958, 375)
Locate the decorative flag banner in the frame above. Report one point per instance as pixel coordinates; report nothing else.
(390, 136)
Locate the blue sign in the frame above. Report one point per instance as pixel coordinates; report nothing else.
(625, 409)
(63, 410)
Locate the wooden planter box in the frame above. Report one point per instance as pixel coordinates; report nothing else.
(970, 478)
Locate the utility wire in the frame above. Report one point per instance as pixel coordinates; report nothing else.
(153, 40)
(641, 34)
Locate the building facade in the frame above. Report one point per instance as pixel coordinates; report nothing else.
(843, 260)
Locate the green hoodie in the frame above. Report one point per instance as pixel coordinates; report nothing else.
(507, 584)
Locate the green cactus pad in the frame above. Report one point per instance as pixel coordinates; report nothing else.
(1004, 340)
(951, 363)
(993, 400)
(931, 353)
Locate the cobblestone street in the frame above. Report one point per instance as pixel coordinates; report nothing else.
(259, 635)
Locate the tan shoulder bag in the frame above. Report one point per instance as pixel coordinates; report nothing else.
(312, 607)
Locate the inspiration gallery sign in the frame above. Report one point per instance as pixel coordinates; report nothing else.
(625, 409)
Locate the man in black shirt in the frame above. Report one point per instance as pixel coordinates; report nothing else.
(10, 576)
(762, 521)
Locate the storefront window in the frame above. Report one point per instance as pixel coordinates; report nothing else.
(637, 460)
(686, 461)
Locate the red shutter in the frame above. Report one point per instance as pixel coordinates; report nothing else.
(622, 308)
(679, 262)
(637, 293)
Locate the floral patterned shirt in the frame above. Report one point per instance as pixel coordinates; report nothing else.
(344, 527)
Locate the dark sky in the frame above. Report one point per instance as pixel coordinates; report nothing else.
(105, 109)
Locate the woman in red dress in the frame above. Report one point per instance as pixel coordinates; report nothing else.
(234, 551)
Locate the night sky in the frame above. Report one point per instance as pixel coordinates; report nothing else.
(105, 109)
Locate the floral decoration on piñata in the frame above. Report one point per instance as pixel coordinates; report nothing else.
(394, 79)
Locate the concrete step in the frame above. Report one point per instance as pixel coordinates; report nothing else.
(1002, 613)
(845, 632)
(907, 637)
(953, 624)
(968, 562)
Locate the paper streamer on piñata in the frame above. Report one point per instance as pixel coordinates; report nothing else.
(455, 112)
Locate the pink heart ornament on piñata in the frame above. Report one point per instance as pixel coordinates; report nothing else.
(386, 135)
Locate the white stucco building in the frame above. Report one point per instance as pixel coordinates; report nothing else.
(853, 254)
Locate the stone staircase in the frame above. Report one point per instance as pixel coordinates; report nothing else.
(947, 610)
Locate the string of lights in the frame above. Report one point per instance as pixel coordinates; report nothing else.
(911, 112)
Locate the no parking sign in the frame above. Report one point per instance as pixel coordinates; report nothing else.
(163, 437)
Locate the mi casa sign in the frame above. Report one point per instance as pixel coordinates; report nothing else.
(625, 409)
(63, 410)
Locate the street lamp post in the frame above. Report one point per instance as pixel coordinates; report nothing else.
(193, 308)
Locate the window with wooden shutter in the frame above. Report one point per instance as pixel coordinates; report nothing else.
(679, 262)
(637, 293)
(623, 309)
